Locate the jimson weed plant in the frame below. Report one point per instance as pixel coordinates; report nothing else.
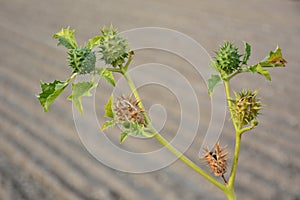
(128, 111)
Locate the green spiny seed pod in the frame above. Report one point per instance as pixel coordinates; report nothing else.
(245, 107)
(114, 49)
(88, 64)
(227, 58)
(82, 60)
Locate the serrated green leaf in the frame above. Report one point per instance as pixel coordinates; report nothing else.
(247, 53)
(124, 135)
(213, 81)
(78, 91)
(50, 91)
(275, 58)
(260, 70)
(108, 124)
(263, 72)
(108, 108)
(66, 38)
(107, 75)
(94, 41)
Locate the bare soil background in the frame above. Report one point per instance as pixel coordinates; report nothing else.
(41, 156)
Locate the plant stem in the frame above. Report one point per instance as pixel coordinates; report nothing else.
(172, 149)
(128, 61)
(248, 128)
(234, 74)
(238, 136)
(224, 179)
(188, 162)
(230, 194)
(137, 96)
(235, 160)
(227, 90)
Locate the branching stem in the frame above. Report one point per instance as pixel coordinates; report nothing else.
(171, 148)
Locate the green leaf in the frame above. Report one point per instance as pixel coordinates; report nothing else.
(108, 124)
(247, 53)
(108, 108)
(133, 129)
(136, 129)
(66, 38)
(260, 70)
(78, 91)
(50, 91)
(263, 72)
(94, 41)
(275, 58)
(107, 75)
(213, 81)
(124, 135)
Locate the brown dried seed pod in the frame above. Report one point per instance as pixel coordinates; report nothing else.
(216, 160)
(127, 109)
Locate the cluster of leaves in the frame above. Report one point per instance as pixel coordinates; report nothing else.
(228, 62)
(115, 52)
(83, 61)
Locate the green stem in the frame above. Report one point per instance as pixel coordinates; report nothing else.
(234, 74)
(227, 90)
(237, 140)
(114, 70)
(227, 189)
(230, 194)
(72, 77)
(129, 60)
(172, 149)
(248, 128)
(189, 163)
(136, 95)
(235, 160)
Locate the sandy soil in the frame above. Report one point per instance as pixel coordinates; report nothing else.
(41, 155)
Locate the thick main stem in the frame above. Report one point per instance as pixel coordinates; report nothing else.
(188, 162)
(227, 90)
(230, 194)
(235, 160)
(238, 135)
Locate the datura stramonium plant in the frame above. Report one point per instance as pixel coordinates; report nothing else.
(129, 112)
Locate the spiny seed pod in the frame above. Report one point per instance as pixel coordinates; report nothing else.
(88, 64)
(82, 60)
(245, 107)
(127, 109)
(227, 58)
(114, 49)
(216, 160)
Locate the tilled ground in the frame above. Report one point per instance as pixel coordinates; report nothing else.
(41, 155)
